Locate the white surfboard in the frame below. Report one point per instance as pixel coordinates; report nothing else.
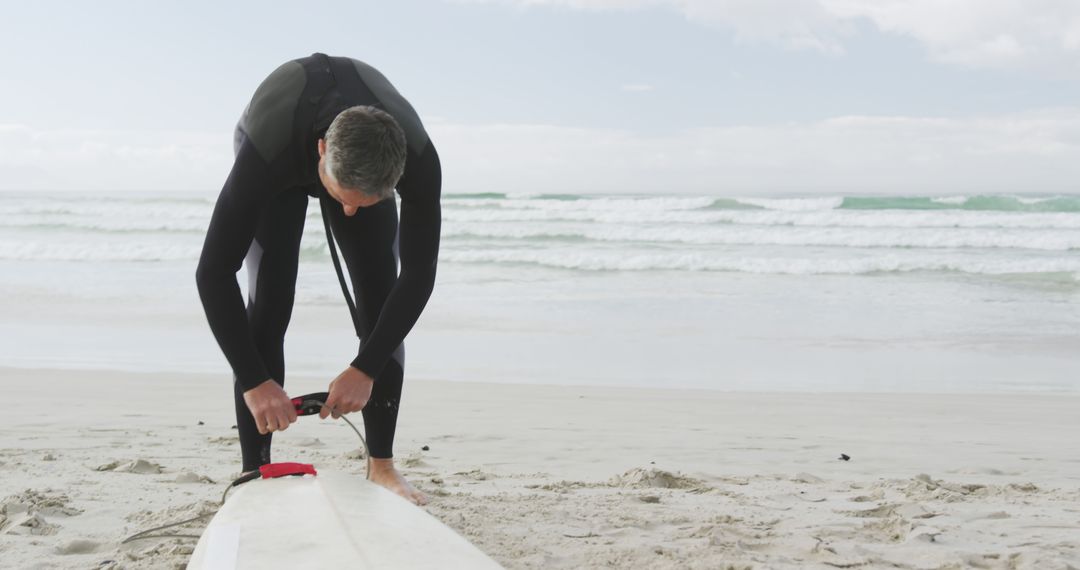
(332, 520)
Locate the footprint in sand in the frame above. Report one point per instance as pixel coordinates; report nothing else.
(189, 477)
(354, 454)
(28, 523)
(981, 471)
(903, 510)
(475, 474)
(24, 513)
(414, 460)
(46, 502)
(875, 495)
(924, 487)
(992, 516)
(804, 477)
(924, 534)
(562, 486)
(140, 466)
(77, 546)
(645, 478)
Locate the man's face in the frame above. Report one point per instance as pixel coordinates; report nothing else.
(350, 199)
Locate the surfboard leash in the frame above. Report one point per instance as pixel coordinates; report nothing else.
(305, 406)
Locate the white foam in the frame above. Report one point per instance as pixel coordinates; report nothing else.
(1029, 200)
(108, 224)
(795, 204)
(76, 251)
(83, 206)
(813, 218)
(602, 204)
(930, 238)
(704, 261)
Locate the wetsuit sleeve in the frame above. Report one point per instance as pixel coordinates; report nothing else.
(232, 227)
(418, 247)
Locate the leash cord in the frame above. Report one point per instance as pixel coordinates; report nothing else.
(240, 480)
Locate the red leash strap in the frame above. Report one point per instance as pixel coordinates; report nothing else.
(273, 470)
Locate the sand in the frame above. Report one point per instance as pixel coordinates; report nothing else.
(570, 477)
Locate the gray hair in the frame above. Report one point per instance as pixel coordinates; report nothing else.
(365, 151)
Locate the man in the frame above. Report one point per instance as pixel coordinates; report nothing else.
(334, 129)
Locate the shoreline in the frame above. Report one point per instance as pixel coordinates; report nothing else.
(308, 377)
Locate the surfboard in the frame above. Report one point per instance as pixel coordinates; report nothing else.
(330, 520)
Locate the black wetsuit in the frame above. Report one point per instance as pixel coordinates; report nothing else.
(260, 214)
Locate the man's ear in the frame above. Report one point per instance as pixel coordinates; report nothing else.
(322, 147)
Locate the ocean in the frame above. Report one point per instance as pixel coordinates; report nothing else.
(976, 293)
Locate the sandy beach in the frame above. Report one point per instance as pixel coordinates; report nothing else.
(571, 476)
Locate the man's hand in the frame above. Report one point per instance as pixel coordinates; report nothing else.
(349, 392)
(270, 406)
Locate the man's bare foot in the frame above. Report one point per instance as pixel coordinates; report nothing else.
(382, 471)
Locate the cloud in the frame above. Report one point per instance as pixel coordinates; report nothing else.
(1036, 151)
(979, 33)
(1028, 152)
(984, 33)
(637, 87)
(43, 159)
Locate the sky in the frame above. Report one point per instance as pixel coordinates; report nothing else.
(721, 97)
